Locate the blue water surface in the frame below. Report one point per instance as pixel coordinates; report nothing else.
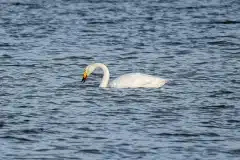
(47, 113)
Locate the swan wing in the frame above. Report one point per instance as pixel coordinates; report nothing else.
(136, 80)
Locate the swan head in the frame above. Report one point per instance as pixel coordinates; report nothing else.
(88, 70)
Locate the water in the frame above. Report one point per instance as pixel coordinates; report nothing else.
(47, 113)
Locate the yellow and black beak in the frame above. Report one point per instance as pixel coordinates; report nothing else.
(84, 77)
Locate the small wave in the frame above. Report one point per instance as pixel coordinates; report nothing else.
(221, 92)
(226, 22)
(72, 58)
(127, 58)
(92, 151)
(32, 131)
(234, 151)
(220, 106)
(18, 138)
(85, 129)
(233, 121)
(208, 134)
(2, 124)
(29, 5)
(222, 43)
(5, 56)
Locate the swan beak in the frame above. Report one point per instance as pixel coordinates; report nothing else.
(84, 77)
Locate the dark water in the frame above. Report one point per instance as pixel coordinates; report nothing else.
(47, 113)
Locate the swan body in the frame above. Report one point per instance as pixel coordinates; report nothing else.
(131, 80)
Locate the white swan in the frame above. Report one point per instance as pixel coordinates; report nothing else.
(131, 80)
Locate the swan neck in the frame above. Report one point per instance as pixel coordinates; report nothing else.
(106, 75)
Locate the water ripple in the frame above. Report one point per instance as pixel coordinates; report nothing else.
(47, 113)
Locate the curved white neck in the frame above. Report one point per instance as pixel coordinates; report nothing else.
(106, 74)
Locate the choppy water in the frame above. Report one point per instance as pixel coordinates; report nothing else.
(47, 113)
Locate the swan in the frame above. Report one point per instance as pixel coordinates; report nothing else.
(131, 80)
